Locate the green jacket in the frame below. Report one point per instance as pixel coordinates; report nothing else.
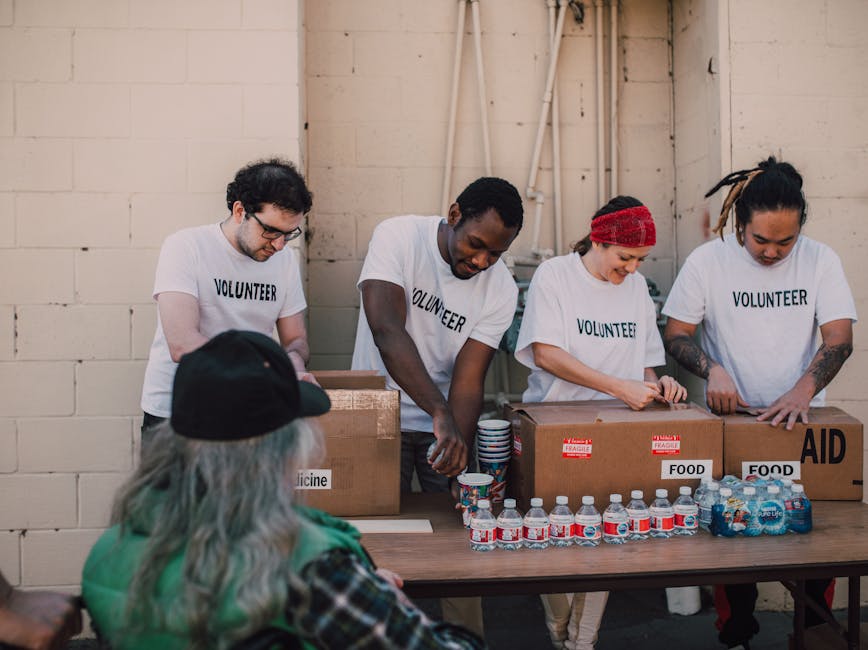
(113, 561)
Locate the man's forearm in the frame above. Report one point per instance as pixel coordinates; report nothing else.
(686, 352)
(466, 407)
(405, 366)
(826, 364)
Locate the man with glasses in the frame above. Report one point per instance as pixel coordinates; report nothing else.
(214, 278)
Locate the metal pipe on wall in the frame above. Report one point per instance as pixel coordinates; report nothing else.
(556, 153)
(613, 97)
(480, 77)
(601, 127)
(446, 198)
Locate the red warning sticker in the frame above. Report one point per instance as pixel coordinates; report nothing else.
(665, 445)
(577, 448)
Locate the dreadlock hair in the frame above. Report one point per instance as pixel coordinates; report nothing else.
(618, 203)
(771, 185)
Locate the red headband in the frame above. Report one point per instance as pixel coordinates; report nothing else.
(630, 227)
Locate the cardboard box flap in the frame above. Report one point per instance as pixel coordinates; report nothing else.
(824, 414)
(614, 411)
(350, 379)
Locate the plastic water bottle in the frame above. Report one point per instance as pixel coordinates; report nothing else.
(712, 494)
(483, 528)
(639, 517)
(588, 524)
(752, 525)
(786, 491)
(662, 515)
(561, 523)
(722, 513)
(799, 517)
(535, 530)
(686, 513)
(772, 513)
(509, 527)
(702, 489)
(616, 525)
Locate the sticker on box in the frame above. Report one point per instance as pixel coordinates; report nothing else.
(313, 479)
(666, 445)
(765, 468)
(577, 448)
(681, 469)
(516, 446)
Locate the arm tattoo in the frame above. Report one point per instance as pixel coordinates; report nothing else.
(827, 362)
(686, 352)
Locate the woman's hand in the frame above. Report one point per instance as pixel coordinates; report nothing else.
(670, 390)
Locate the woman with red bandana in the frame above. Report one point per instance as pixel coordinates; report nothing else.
(590, 332)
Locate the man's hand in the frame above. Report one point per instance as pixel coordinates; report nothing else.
(721, 395)
(637, 394)
(40, 620)
(790, 406)
(451, 443)
(670, 390)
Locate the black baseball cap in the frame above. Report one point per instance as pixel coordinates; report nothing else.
(240, 385)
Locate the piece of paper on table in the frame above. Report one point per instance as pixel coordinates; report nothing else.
(392, 525)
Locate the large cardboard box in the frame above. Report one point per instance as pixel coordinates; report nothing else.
(360, 473)
(602, 447)
(824, 455)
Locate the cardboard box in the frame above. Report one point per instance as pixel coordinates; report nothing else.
(602, 447)
(360, 473)
(824, 455)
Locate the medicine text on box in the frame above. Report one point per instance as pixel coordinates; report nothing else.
(313, 479)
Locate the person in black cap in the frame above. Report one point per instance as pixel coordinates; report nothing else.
(210, 545)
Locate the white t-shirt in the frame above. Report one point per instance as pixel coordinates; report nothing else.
(442, 311)
(761, 322)
(233, 290)
(609, 327)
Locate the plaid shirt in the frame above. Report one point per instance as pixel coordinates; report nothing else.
(351, 607)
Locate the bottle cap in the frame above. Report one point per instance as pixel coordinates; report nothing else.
(684, 490)
(509, 503)
(636, 494)
(714, 485)
(536, 502)
(661, 493)
(562, 500)
(615, 498)
(773, 489)
(788, 482)
(483, 504)
(587, 501)
(749, 490)
(798, 489)
(725, 492)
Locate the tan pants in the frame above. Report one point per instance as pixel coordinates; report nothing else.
(573, 620)
(466, 612)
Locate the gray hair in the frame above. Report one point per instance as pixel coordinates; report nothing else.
(229, 507)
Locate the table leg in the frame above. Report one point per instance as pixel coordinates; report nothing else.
(853, 608)
(799, 616)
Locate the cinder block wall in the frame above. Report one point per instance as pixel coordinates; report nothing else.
(120, 122)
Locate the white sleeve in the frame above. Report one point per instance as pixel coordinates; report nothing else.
(542, 322)
(386, 256)
(176, 266)
(293, 300)
(654, 354)
(499, 314)
(686, 300)
(834, 298)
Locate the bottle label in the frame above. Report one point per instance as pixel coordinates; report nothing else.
(640, 523)
(685, 517)
(616, 528)
(483, 535)
(662, 519)
(536, 533)
(509, 534)
(560, 531)
(588, 527)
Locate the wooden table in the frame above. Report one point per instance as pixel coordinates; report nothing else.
(442, 565)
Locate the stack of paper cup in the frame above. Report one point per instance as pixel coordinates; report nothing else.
(494, 449)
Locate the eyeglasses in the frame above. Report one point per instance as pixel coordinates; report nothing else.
(273, 233)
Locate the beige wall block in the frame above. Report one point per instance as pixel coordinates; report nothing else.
(74, 444)
(329, 54)
(421, 188)
(331, 142)
(843, 114)
(7, 332)
(144, 318)
(103, 165)
(513, 57)
(191, 14)
(28, 164)
(332, 329)
(156, 216)
(7, 219)
(35, 54)
(233, 56)
(639, 18)
(805, 21)
(8, 446)
(186, 111)
(130, 279)
(350, 15)
(270, 14)
(391, 144)
(109, 387)
(137, 55)
(757, 120)
(213, 164)
(850, 382)
(340, 190)
(96, 493)
(271, 111)
(644, 103)
(374, 54)
(508, 16)
(845, 22)
(10, 556)
(77, 220)
(332, 237)
(30, 388)
(425, 100)
(38, 501)
(333, 284)
(73, 332)
(6, 14)
(342, 99)
(7, 110)
(55, 557)
(72, 110)
(39, 278)
(842, 179)
(59, 13)
(645, 59)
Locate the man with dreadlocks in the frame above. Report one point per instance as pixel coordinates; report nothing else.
(761, 295)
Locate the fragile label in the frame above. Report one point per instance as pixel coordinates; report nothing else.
(313, 479)
(516, 446)
(577, 448)
(765, 468)
(662, 445)
(678, 469)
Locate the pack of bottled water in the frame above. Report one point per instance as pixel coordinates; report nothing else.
(755, 506)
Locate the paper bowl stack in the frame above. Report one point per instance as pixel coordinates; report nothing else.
(494, 449)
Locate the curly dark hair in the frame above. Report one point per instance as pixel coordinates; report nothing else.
(269, 181)
(490, 193)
